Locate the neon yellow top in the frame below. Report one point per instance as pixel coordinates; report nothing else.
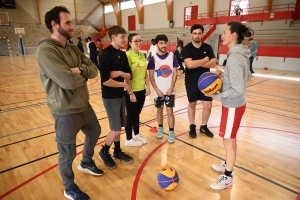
(138, 65)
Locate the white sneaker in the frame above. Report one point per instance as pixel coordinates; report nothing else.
(222, 183)
(133, 143)
(219, 168)
(140, 138)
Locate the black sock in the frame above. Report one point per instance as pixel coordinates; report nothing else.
(105, 148)
(160, 125)
(228, 173)
(171, 129)
(117, 146)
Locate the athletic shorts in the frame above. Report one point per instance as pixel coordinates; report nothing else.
(194, 94)
(115, 109)
(230, 121)
(169, 100)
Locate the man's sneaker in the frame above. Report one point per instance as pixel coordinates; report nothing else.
(219, 168)
(75, 193)
(222, 183)
(140, 138)
(171, 137)
(90, 168)
(133, 143)
(108, 161)
(206, 131)
(192, 132)
(160, 132)
(123, 157)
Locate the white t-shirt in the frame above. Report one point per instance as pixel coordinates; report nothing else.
(87, 46)
(153, 50)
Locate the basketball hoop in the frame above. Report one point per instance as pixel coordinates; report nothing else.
(20, 32)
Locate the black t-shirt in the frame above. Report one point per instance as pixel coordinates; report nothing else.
(112, 59)
(190, 51)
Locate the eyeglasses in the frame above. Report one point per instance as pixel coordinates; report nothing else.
(138, 41)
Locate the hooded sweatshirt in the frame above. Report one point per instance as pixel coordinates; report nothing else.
(66, 92)
(235, 77)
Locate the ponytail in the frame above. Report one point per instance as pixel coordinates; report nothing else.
(241, 30)
(130, 36)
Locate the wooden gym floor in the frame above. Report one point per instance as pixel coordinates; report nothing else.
(268, 157)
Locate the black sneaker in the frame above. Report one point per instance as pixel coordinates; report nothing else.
(108, 161)
(206, 131)
(90, 168)
(192, 132)
(123, 157)
(75, 193)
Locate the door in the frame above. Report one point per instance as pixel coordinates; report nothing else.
(191, 12)
(131, 23)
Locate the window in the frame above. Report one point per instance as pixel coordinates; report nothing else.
(108, 9)
(147, 2)
(127, 5)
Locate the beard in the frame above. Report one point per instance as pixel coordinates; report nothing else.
(196, 41)
(163, 50)
(64, 33)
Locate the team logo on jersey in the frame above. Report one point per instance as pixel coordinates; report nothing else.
(164, 71)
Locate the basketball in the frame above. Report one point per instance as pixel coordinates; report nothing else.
(209, 83)
(168, 178)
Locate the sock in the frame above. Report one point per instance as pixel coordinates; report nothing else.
(171, 129)
(106, 148)
(203, 125)
(228, 173)
(117, 146)
(160, 125)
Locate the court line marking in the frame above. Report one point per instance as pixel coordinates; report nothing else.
(142, 124)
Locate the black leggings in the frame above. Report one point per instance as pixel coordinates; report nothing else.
(133, 110)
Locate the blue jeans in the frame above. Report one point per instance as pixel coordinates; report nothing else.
(251, 61)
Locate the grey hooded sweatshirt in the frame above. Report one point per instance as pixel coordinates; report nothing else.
(235, 77)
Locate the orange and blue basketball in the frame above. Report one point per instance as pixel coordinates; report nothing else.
(209, 83)
(168, 178)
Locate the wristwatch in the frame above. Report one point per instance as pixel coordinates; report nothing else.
(81, 70)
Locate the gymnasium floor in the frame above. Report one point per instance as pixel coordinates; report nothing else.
(268, 157)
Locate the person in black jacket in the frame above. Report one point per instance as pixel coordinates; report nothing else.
(93, 51)
(79, 44)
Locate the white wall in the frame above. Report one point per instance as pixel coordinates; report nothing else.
(30, 7)
(156, 16)
(110, 19)
(179, 6)
(129, 12)
(257, 3)
(290, 64)
(277, 2)
(84, 7)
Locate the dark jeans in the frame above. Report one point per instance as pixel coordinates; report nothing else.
(251, 61)
(67, 127)
(133, 110)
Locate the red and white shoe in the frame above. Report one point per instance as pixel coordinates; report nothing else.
(222, 183)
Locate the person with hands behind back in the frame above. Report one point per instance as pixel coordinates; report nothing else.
(162, 68)
(198, 58)
(140, 87)
(114, 70)
(233, 97)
